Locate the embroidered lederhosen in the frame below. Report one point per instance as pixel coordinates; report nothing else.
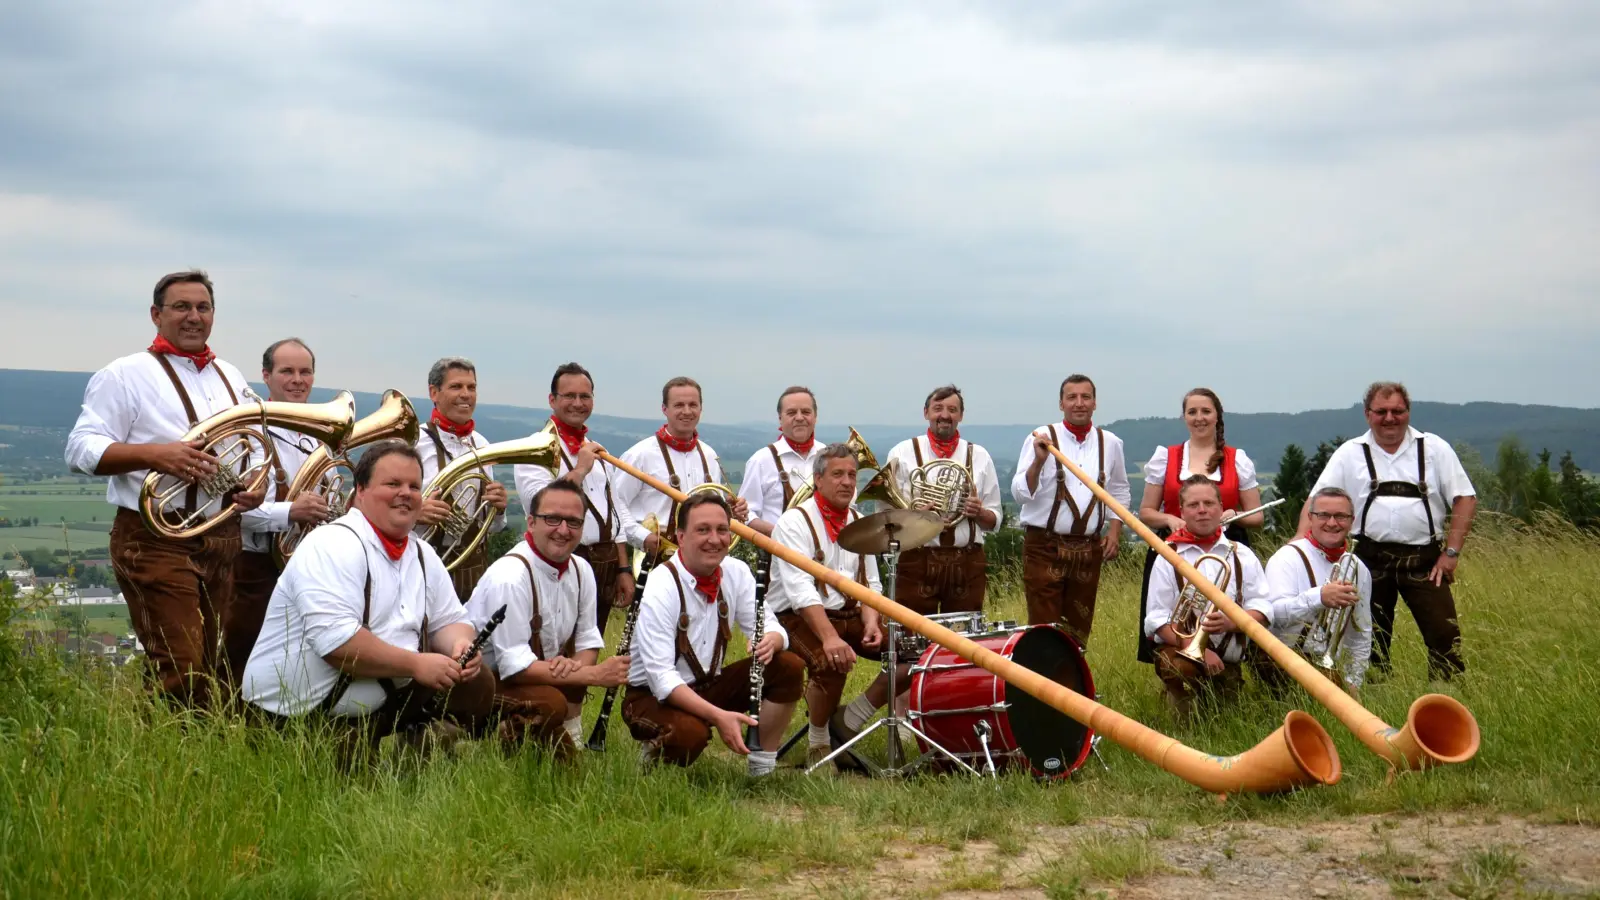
(850, 604)
(1406, 489)
(193, 495)
(611, 507)
(342, 681)
(1080, 520)
(672, 478)
(536, 642)
(685, 649)
(783, 475)
(947, 537)
(1221, 647)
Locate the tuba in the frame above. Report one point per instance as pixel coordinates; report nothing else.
(461, 484)
(1191, 610)
(324, 471)
(882, 487)
(1331, 624)
(175, 508)
(941, 486)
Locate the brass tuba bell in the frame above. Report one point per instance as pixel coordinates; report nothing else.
(461, 484)
(178, 509)
(882, 487)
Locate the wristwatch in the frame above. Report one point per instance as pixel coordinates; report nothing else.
(1452, 552)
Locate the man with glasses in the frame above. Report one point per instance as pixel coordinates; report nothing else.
(1406, 484)
(1300, 589)
(134, 412)
(606, 522)
(544, 654)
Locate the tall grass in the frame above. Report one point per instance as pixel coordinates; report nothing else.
(104, 793)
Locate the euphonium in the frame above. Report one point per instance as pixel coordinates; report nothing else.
(941, 486)
(880, 487)
(245, 457)
(1191, 610)
(461, 484)
(323, 470)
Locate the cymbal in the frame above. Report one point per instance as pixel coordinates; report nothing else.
(871, 534)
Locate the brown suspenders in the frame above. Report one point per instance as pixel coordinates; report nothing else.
(1312, 577)
(685, 649)
(816, 545)
(783, 476)
(342, 681)
(611, 507)
(1080, 521)
(536, 642)
(192, 497)
(672, 477)
(947, 537)
(1418, 491)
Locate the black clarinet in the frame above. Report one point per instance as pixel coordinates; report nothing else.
(597, 737)
(482, 639)
(758, 669)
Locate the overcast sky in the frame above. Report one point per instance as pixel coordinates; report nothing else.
(1281, 201)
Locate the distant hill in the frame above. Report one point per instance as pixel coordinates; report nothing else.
(51, 400)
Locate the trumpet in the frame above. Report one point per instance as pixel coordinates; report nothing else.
(176, 509)
(1191, 610)
(882, 487)
(1331, 624)
(461, 485)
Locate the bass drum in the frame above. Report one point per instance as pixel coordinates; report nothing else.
(950, 697)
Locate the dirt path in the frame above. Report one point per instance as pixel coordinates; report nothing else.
(1463, 855)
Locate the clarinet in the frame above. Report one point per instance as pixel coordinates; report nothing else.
(597, 737)
(482, 639)
(758, 669)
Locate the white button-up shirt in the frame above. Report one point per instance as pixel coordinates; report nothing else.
(655, 635)
(1399, 520)
(532, 479)
(790, 589)
(1297, 602)
(761, 488)
(1037, 503)
(258, 526)
(985, 481)
(132, 401)
(566, 601)
(316, 609)
(643, 500)
(454, 449)
(1155, 471)
(1252, 594)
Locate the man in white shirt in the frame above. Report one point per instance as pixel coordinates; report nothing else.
(134, 412)
(364, 626)
(827, 629)
(1405, 483)
(1063, 548)
(545, 652)
(679, 690)
(288, 369)
(607, 522)
(1300, 587)
(952, 574)
(676, 455)
(776, 471)
(1182, 677)
(451, 433)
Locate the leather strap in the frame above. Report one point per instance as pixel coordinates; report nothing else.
(536, 640)
(783, 476)
(342, 681)
(1404, 489)
(611, 508)
(685, 648)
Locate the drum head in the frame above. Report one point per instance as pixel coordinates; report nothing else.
(1054, 744)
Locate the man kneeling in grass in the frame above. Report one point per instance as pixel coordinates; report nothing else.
(364, 627)
(678, 688)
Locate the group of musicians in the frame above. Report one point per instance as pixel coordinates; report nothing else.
(366, 626)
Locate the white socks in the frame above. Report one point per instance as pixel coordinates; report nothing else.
(574, 728)
(858, 712)
(817, 736)
(763, 762)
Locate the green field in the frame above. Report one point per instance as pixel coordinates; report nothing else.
(98, 618)
(102, 794)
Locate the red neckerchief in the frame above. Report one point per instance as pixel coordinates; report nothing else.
(832, 519)
(943, 449)
(1082, 434)
(1185, 536)
(200, 360)
(680, 445)
(1332, 555)
(395, 549)
(708, 585)
(560, 567)
(802, 449)
(572, 437)
(462, 431)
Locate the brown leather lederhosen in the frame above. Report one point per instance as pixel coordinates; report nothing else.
(342, 681)
(465, 576)
(536, 641)
(851, 607)
(847, 622)
(671, 523)
(684, 648)
(602, 554)
(783, 475)
(1061, 572)
(944, 578)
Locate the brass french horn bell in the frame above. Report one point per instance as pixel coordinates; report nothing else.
(461, 484)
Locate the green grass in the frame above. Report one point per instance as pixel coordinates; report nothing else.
(102, 793)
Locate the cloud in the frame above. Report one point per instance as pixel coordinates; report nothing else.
(1282, 201)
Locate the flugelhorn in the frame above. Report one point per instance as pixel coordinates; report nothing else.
(461, 485)
(1298, 754)
(1439, 729)
(324, 470)
(245, 458)
(1190, 612)
(1331, 624)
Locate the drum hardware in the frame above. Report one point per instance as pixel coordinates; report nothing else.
(865, 536)
(982, 730)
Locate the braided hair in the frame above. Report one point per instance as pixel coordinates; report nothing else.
(1217, 456)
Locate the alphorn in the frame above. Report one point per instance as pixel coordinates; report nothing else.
(1439, 729)
(1300, 753)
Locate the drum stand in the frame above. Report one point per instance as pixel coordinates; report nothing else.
(891, 720)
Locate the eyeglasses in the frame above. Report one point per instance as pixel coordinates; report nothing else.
(1339, 518)
(1388, 413)
(183, 309)
(553, 521)
(571, 397)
